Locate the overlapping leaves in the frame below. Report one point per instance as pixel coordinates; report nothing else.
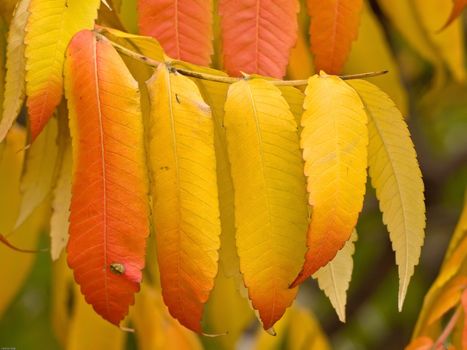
(242, 177)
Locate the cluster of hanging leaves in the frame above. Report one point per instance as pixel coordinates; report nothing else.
(248, 173)
(442, 323)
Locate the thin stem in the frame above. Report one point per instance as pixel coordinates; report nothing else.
(219, 78)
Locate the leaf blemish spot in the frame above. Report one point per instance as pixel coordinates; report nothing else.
(117, 268)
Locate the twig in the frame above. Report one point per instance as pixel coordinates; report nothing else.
(219, 78)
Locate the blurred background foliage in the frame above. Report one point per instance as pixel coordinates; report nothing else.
(41, 308)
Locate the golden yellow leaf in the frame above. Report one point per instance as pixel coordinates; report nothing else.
(59, 221)
(62, 299)
(88, 330)
(50, 27)
(334, 278)
(371, 52)
(403, 15)
(14, 266)
(185, 196)
(6, 9)
(396, 176)
(39, 171)
(334, 140)
(270, 199)
(227, 312)
(3, 31)
(459, 233)
(15, 69)
(298, 329)
(449, 43)
(155, 329)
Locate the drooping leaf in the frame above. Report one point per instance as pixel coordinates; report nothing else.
(270, 200)
(449, 43)
(59, 221)
(185, 197)
(227, 312)
(334, 26)
(334, 278)
(300, 65)
(109, 206)
(51, 25)
(257, 36)
(62, 297)
(371, 52)
(396, 176)
(457, 9)
(89, 331)
(15, 65)
(298, 329)
(39, 171)
(184, 28)
(154, 327)
(334, 140)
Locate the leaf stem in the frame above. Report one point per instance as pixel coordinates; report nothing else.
(219, 78)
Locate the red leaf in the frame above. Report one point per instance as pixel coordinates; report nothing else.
(459, 6)
(183, 27)
(334, 25)
(109, 208)
(258, 35)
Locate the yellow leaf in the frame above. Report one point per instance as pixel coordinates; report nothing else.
(449, 43)
(270, 199)
(404, 17)
(59, 222)
(227, 312)
(185, 197)
(154, 327)
(334, 278)
(51, 25)
(396, 176)
(89, 331)
(298, 329)
(459, 233)
(62, 299)
(15, 69)
(39, 171)
(334, 142)
(371, 52)
(14, 266)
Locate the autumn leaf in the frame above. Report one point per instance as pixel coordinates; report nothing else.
(51, 25)
(257, 36)
(39, 171)
(15, 69)
(270, 201)
(184, 27)
(109, 206)
(185, 197)
(59, 221)
(459, 6)
(87, 330)
(333, 28)
(371, 52)
(396, 176)
(334, 140)
(334, 278)
(449, 43)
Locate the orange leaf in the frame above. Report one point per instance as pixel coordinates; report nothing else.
(334, 25)
(422, 343)
(459, 6)
(109, 208)
(258, 35)
(183, 27)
